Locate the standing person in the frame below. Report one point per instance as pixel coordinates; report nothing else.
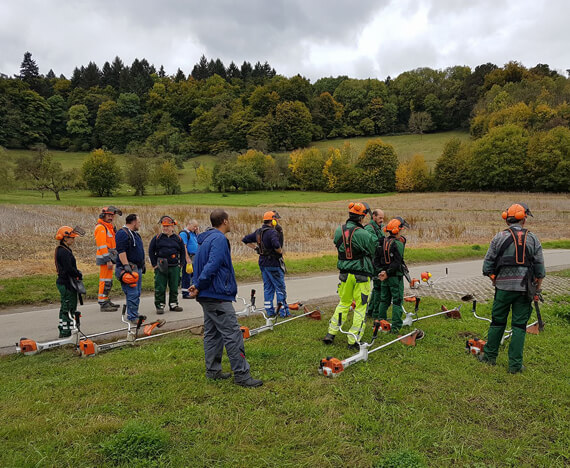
(131, 265)
(267, 241)
(106, 255)
(356, 247)
(515, 263)
(67, 271)
(215, 289)
(165, 251)
(374, 227)
(389, 260)
(189, 236)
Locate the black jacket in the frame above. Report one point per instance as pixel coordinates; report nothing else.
(66, 266)
(170, 247)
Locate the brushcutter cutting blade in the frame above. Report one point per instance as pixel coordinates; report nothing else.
(533, 329)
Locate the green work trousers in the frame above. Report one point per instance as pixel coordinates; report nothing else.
(68, 306)
(392, 291)
(357, 289)
(161, 281)
(502, 304)
(374, 302)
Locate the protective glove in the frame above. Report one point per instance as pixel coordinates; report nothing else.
(128, 268)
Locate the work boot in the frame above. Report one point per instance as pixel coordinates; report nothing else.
(107, 307)
(176, 308)
(160, 310)
(516, 371)
(112, 304)
(354, 347)
(249, 382)
(328, 339)
(219, 375)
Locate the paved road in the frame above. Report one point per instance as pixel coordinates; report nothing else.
(40, 323)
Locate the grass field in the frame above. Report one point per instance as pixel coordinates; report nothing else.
(430, 405)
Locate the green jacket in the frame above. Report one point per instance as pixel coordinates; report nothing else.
(363, 246)
(378, 235)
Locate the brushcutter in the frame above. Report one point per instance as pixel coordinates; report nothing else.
(426, 278)
(28, 347)
(90, 348)
(272, 322)
(332, 367)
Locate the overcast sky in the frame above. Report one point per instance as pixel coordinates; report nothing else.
(316, 38)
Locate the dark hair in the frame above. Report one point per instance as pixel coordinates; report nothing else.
(130, 218)
(217, 217)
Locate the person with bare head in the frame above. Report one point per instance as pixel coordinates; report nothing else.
(215, 288)
(189, 236)
(374, 227)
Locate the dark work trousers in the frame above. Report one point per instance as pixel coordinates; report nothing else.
(221, 329)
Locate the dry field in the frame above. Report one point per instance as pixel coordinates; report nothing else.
(26, 231)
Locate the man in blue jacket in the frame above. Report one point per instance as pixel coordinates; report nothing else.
(215, 288)
(189, 236)
(130, 264)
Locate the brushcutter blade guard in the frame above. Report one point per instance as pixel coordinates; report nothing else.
(330, 367)
(295, 306)
(410, 299)
(411, 340)
(245, 332)
(87, 348)
(27, 347)
(315, 314)
(533, 329)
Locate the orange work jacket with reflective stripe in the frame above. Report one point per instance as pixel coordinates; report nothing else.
(105, 240)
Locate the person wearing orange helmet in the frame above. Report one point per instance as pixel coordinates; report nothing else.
(356, 247)
(374, 227)
(267, 241)
(131, 264)
(389, 261)
(515, 263)
(106, 255)
(165, 251)
(67, 273)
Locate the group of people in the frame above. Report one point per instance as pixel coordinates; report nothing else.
(372, 251)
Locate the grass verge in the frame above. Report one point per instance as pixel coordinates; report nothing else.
(427, 405)
(37, 289)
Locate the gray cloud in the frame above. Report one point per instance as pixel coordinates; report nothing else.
(314, 38)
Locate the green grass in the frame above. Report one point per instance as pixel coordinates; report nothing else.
(430, 145)
(427, 405)
(37, 289)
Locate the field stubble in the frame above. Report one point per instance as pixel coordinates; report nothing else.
(436, 219)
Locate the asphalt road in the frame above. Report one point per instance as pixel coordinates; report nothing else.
(40, 323)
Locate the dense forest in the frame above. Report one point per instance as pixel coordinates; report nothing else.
(139, 110)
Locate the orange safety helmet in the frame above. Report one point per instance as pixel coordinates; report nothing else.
(167, 221)
(269, 215)
(395, 225)
(517, 212)
(130, 278)
(358, 208)
(68, 231)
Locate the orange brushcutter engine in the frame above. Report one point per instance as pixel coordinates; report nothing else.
(474, 345)
(330, 367)
(27, 346)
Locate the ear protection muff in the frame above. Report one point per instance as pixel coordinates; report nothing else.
(273, 222)
(516, 211)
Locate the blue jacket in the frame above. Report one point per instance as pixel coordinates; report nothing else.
(190, 240)
(271, 241)
(214, 275)
(131, 243)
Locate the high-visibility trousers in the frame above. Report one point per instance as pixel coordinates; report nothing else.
(354, 289)
(105, 283)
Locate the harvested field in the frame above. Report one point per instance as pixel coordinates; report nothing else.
(26, 234)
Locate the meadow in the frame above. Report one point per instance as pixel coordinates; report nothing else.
(428, 405)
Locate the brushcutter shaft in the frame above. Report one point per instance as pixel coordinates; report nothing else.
(439, 313)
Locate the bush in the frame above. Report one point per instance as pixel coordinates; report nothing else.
(101, 173)
(136, 441)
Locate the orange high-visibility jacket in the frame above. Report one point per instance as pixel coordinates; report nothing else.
(105, 240)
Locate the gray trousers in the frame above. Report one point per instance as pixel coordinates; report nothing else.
(221, 329)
